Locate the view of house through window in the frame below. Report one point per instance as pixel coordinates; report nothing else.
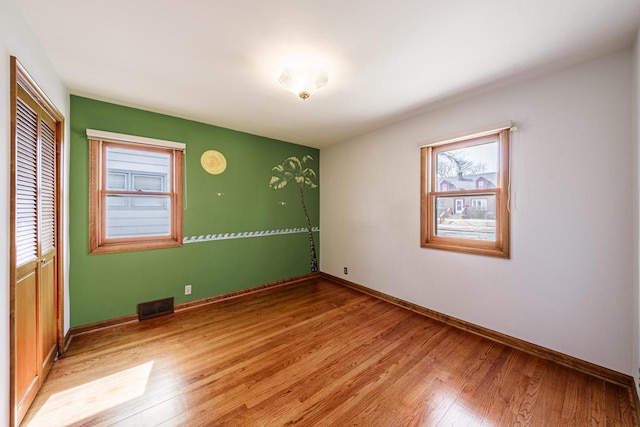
(148, 211)
(469, 215)
(465, 195)
(136, 194)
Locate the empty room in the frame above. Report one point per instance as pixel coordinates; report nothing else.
(373, 213)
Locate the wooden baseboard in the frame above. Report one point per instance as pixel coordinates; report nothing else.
(255, 290)
(537, 350)
(104, 324)
(133, 318)
(66, 342)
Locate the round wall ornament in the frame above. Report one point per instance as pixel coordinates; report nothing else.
(213, 162)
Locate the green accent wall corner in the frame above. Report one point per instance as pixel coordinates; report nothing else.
(237, 202)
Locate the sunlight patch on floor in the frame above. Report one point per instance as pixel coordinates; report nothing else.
(86, 400)
(451, 411)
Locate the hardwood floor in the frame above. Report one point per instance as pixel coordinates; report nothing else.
(313, 354)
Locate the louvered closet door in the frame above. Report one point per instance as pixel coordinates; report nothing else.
(26, 244)
(47, 241)
(35, 248)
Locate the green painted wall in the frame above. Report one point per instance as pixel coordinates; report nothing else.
(107, 286)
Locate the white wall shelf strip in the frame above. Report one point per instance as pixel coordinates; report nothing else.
(244, 235)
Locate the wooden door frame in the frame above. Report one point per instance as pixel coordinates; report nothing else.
(20, 77)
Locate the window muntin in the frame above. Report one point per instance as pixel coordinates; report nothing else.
(136, 200)
(465, 195)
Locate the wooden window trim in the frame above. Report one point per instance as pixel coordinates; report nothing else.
(428, 192)
(98, 242)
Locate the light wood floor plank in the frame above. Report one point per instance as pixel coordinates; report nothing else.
(316, 354)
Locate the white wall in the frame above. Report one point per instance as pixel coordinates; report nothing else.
(568, 284)
(17, 39)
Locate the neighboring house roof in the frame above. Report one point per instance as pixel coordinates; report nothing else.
(469, 181)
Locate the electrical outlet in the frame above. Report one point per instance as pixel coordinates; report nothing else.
(346, 270)
(187, 290)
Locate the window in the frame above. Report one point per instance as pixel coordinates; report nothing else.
(476, 170)
(136, 193)
(479, 204)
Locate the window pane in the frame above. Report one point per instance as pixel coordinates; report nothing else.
(466, 217)
(159, 202)
(148, 183)
(149, 169)
(138, 216)
(467, 168)
(116, 201)
(116, 181)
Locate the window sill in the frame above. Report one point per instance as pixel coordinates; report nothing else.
(137, 246)
(494, 252)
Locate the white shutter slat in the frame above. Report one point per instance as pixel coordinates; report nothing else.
(26, 233)
(47, 189)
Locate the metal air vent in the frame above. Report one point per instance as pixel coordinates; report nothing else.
(148, 310)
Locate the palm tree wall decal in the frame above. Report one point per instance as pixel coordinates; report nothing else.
(295, 171)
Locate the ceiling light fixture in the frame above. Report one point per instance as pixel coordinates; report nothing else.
(304, 81)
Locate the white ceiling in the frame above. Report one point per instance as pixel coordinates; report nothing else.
(217, 61)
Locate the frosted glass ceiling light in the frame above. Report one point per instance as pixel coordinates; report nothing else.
(304, 81)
